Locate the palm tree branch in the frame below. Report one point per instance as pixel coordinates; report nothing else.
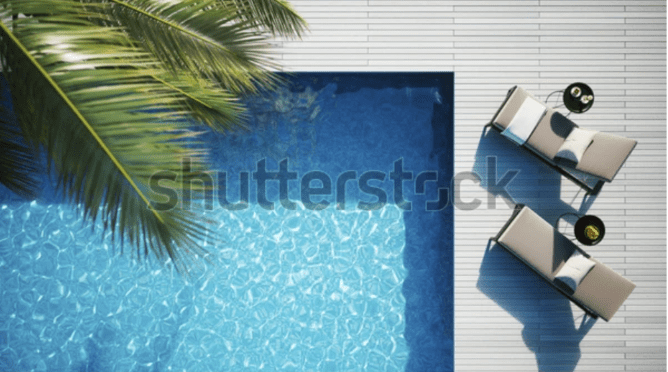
(173, 25)
(17, 43)
(201, 37)
(142, 122)
(214, 107)
(181, 91)
(277, 16)
(18, 163)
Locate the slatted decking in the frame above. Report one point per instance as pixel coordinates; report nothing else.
(506, 319)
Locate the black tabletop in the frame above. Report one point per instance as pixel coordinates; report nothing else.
(578, 97)
(589, 230)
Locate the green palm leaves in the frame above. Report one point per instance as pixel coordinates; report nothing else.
(275, 15)
(199, 37)
(108, 88)
(17, 163)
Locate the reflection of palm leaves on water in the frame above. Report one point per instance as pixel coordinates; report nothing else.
(301, 131)
(282, 123)
(108, 89)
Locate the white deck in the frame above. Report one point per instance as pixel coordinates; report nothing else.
(506, 319)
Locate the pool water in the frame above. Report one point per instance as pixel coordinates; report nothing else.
(362, 284)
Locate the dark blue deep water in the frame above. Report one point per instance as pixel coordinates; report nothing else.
(306, 280)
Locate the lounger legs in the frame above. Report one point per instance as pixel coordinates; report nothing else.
(597, 188)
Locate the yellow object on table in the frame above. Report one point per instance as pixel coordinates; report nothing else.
(592, 232)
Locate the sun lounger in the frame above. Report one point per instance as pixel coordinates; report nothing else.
(549, 133)
(546, 251)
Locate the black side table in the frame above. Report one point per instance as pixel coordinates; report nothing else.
(578, 98)
(589, 229)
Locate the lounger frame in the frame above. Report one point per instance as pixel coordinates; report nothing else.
(591, 190)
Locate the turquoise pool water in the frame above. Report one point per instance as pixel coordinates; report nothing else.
(361, 285)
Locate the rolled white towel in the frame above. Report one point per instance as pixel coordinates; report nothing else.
(525, 121)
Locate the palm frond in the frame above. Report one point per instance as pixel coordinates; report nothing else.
(88, 96)
(215, 107)
(201, 37)
(18, 164)
(277, 16)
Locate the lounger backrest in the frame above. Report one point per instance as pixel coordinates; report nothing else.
(510, 107)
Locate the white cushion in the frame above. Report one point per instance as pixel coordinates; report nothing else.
(575, 145)
(525, 120)
(574, 270)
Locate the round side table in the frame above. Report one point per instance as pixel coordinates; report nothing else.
(578, 98)
(589, 230)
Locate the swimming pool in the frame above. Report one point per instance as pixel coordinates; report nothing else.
(305, 280)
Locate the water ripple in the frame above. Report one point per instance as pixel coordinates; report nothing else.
(290, 290)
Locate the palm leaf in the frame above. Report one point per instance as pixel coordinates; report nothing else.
(90, 97)
(217, 108)
(277, 16)
(17, 159)
(201, 37)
